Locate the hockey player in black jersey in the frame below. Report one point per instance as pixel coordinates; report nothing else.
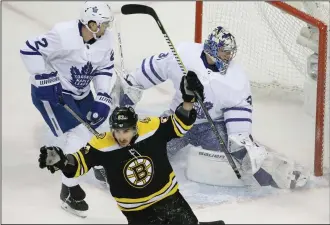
(134, 157)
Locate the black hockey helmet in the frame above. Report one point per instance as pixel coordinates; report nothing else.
(123, 117)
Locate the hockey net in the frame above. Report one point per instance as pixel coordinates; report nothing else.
(276, 42)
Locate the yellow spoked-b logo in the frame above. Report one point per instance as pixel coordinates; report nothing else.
(139, 171)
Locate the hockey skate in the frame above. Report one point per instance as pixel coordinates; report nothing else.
(73, 200)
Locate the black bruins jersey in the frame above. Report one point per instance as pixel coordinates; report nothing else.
(139, 175)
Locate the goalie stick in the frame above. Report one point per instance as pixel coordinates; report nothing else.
(143, 9)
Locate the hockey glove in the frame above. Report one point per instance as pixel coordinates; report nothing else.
(53, 158)
(100, 110)
(188, 85)
(49, 87)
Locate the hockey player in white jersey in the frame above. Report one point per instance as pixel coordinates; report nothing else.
(229, 102)
(62, 63)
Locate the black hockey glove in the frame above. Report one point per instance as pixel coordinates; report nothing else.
(53, 158)
(188, 85)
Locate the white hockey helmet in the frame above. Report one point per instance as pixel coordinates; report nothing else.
(99, 12)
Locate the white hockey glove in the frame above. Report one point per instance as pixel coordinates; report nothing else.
(255, 154)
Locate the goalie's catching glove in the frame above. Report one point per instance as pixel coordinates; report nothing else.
(188, 85)
(53, 158)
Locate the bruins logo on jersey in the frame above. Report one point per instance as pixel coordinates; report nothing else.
(139, 171)
(145, 120)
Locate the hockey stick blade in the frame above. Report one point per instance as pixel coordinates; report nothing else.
(137, 9)
(143, 9)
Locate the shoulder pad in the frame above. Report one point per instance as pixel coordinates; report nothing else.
(148, 125)
(106, 140)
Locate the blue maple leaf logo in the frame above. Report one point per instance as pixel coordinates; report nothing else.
(199, 110)
(80, 79)
(95, 9)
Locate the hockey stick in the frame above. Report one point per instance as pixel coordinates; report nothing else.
(77, 117)
(143, 9)
(120, 46)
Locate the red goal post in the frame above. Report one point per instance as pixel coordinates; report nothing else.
(321, 75)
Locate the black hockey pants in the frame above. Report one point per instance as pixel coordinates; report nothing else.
(171, 210)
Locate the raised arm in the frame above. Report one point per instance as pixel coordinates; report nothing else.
(182, 120)
(72, 165)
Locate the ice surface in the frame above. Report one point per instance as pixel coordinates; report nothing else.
(30, 195)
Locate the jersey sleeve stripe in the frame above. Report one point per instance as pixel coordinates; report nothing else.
(238, 120)
(180, 128)
(108, 68)
(103, 73)
(237, 109)
(145, 73)
(176, 130)
(31, 47)
(184, 126)
(82, 160)
(29, 53)
(153, 69)
(77, 174)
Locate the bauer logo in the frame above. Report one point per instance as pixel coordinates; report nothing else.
(139, 171)
(212, 155)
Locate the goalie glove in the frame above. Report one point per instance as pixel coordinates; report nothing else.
(190, 84)
(53, 158)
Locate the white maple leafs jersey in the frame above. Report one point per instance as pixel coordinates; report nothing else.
(227, 97)
(62, 49)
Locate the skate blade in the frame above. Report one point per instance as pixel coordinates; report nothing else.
(66, 207)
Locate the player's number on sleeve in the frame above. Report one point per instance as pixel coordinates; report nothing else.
(40, 43)
(43, 43)
(162, 56)
(112, 56)
(249, 100)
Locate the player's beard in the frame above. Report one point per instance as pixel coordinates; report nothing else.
(123, 142)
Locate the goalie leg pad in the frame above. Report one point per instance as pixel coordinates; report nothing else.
(210, 167)
(285, 173)
(267, 167)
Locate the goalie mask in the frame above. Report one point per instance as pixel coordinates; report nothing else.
(221, 47)
(123, 118)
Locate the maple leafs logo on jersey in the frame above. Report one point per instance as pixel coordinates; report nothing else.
(95, 9)
(199, 110)
(80, 79)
